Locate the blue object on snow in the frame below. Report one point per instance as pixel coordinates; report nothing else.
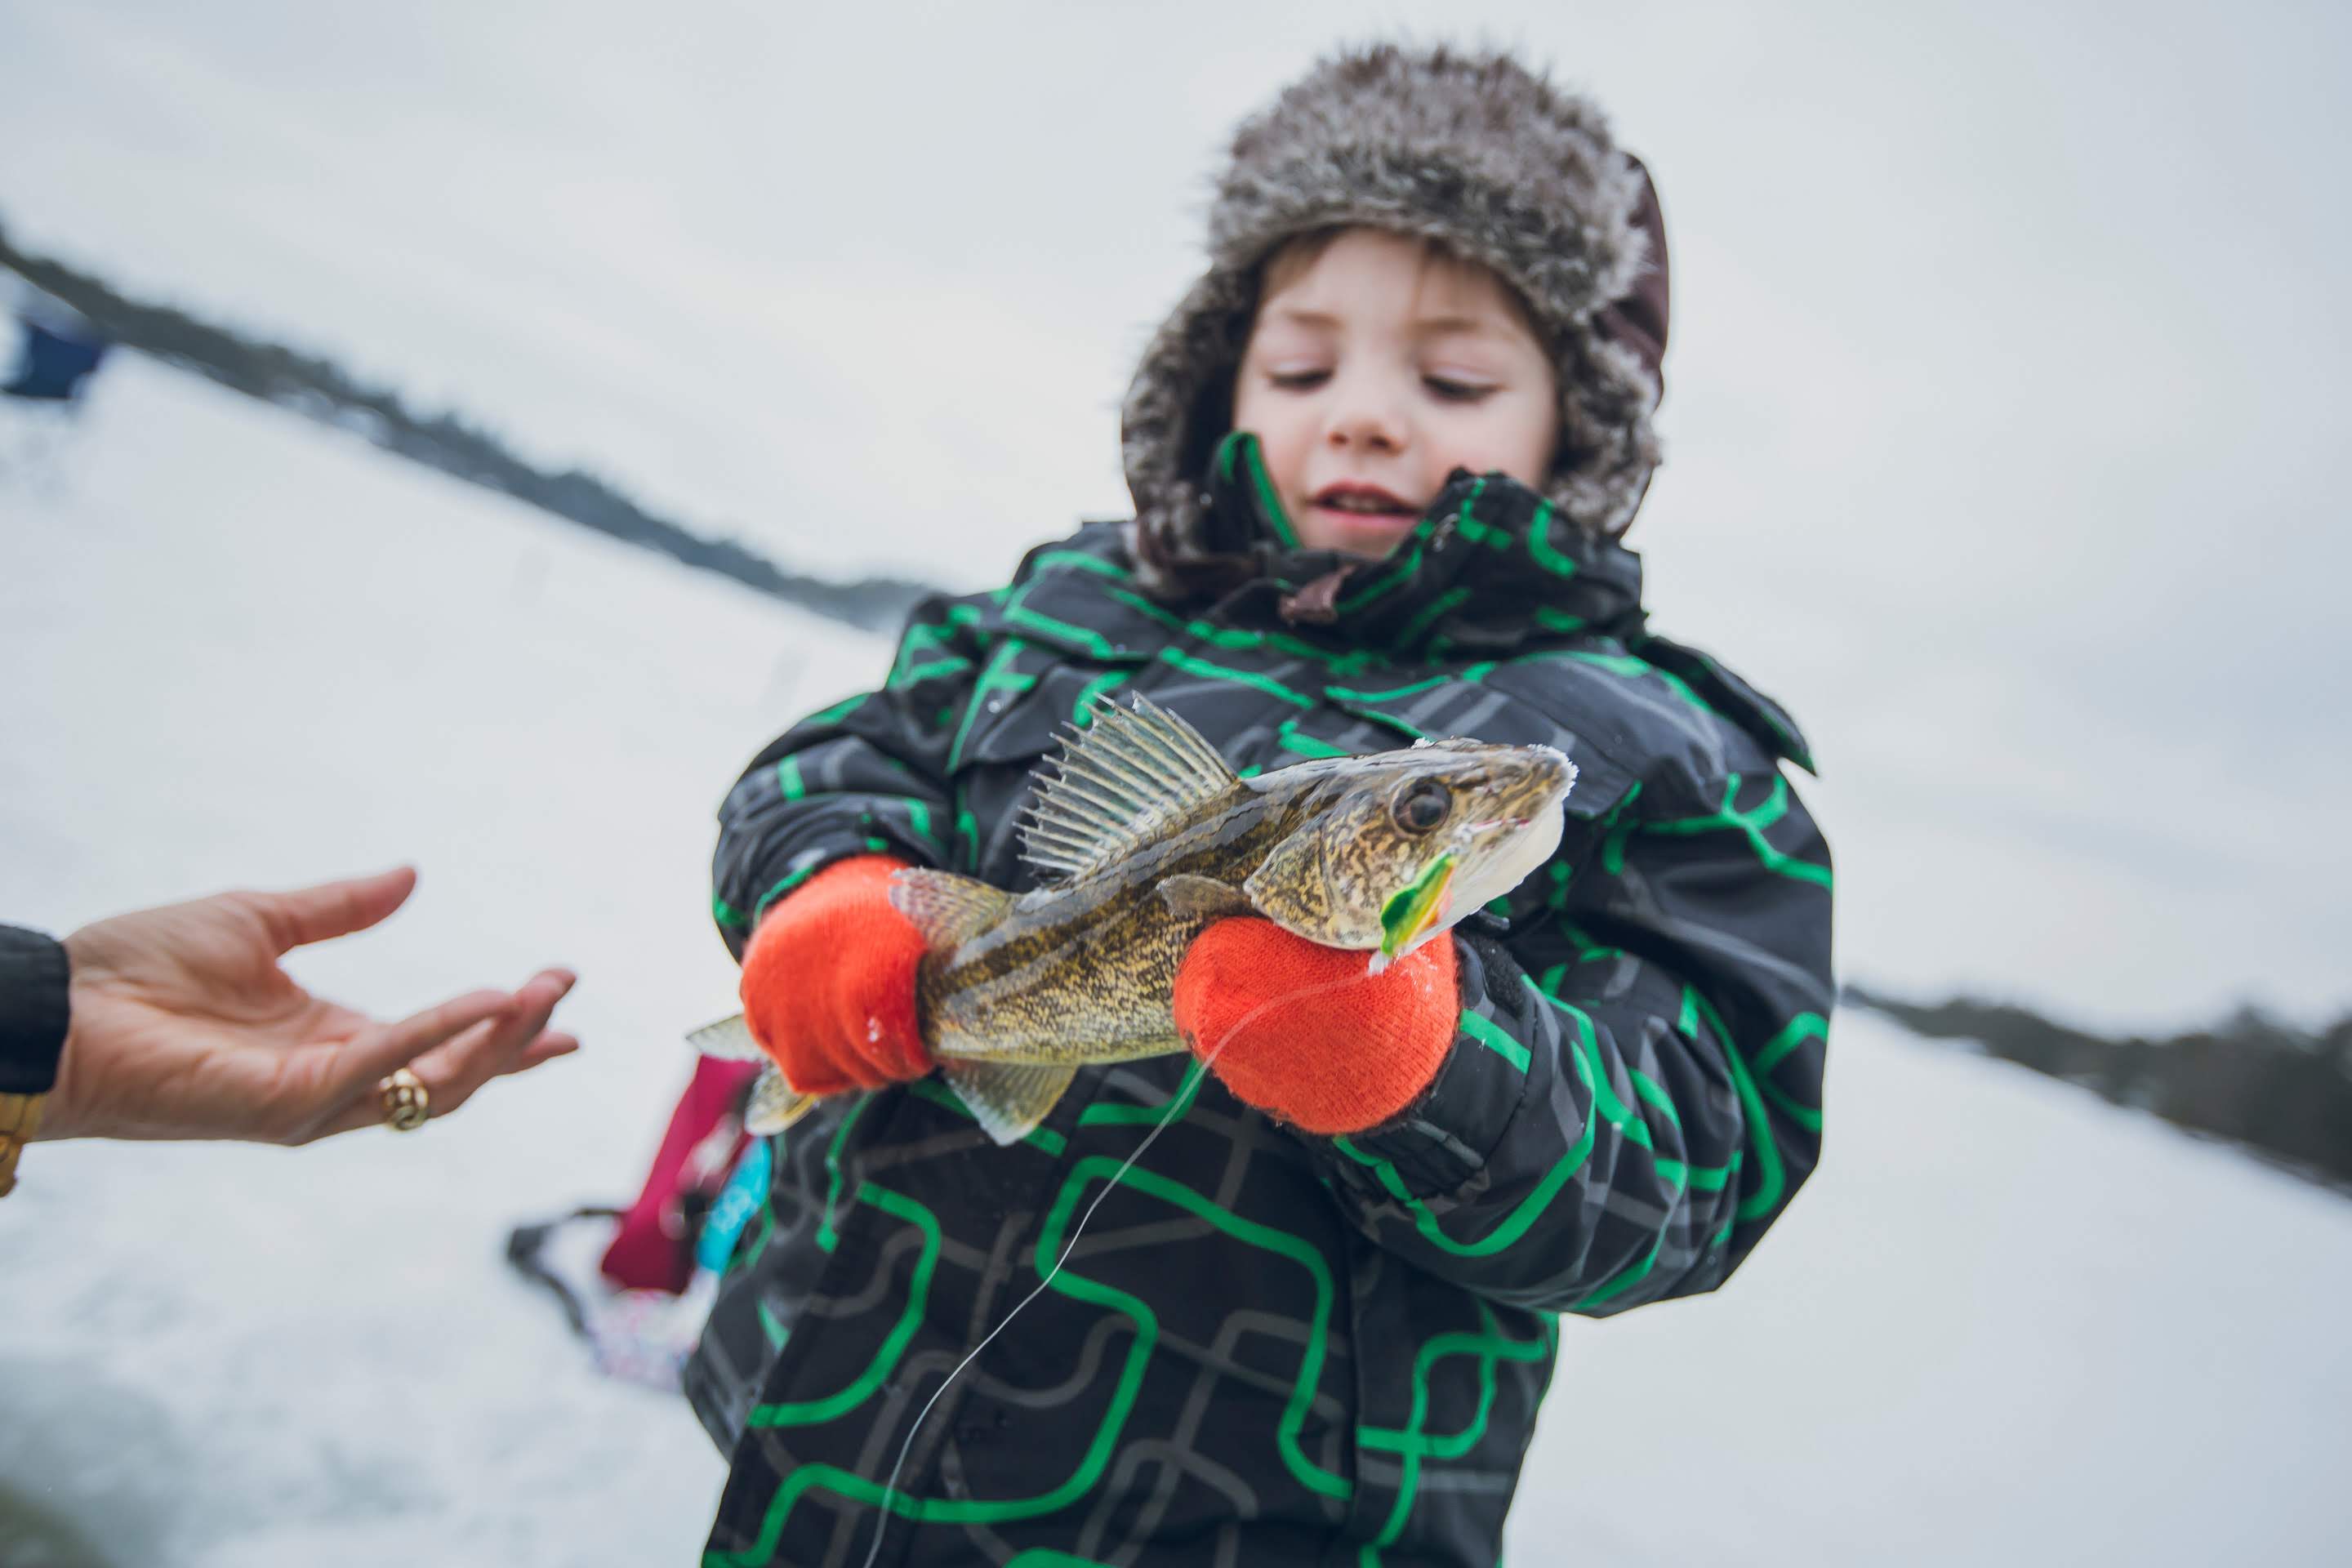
(745, 1190)
(53, 364)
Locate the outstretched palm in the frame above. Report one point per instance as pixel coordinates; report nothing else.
(184, 1026)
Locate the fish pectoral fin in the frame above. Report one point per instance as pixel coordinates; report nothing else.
(729, 1039)
(1203, 898)
(776, 1104)
(947, 909)
(1009, 1101)
(1289, 887)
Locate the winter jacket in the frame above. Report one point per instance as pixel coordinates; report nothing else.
(1270, 1348)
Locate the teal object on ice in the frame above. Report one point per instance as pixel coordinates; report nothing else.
(737, 1202)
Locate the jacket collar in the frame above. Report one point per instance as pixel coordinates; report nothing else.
(1490, 565)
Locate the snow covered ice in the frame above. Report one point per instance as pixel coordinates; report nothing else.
(2007, 1324)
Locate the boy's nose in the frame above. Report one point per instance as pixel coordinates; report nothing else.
(1361, 418)
(1367, 426)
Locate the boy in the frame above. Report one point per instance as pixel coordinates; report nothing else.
(1380, 455)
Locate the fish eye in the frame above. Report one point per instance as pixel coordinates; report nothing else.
(1420, 806)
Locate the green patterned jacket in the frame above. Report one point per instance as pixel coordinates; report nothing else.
(1269, 1348)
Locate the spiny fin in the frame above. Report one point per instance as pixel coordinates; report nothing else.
(729, 1039)
(947, 909)
(1008, 1101)
(776, 1104)
(1203, 897)
(1117, 784)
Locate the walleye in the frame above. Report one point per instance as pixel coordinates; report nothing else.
(1144, 837)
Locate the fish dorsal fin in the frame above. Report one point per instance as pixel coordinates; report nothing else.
(947, 909)
(774, 1104)
(1117, 782)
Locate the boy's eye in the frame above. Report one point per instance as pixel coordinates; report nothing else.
(1299, 380)
(1448, 390)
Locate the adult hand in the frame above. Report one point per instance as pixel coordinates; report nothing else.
(184, 1026)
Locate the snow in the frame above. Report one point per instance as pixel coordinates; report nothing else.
(2007, 1324)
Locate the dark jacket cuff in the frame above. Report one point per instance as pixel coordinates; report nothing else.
(1444, 1138)
(33, 1010)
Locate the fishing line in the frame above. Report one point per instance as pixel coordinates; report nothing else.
(1167, 1118)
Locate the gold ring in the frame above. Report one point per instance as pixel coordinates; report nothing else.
(407, 1104)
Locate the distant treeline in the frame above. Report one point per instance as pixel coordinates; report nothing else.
(2277, 1091)
(314, 387)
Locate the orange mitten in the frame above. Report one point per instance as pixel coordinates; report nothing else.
(829, 981)
(1350, 1054)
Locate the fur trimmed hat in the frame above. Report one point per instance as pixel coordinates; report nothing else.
(1472, 151)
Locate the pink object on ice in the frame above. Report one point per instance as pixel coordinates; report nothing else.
(652, 1251)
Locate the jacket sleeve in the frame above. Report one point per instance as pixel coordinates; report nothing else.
(1634, 1091)
(33, 1010)
(868, 775)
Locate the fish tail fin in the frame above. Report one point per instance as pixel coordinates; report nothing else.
(1008, 1099)
(776, 1104)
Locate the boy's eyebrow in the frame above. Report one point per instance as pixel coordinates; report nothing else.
(1435, 326)
(1428, 326)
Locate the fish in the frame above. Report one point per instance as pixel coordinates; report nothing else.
(1141, 837)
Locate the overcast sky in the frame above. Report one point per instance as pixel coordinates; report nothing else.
(2006, 437)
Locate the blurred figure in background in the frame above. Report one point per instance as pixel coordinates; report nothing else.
(636, 1281)
(58, 350)
(49, 353)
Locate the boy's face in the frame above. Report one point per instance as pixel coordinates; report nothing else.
(1375, 368)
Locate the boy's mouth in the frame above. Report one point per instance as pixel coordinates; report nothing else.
(1364, 501)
